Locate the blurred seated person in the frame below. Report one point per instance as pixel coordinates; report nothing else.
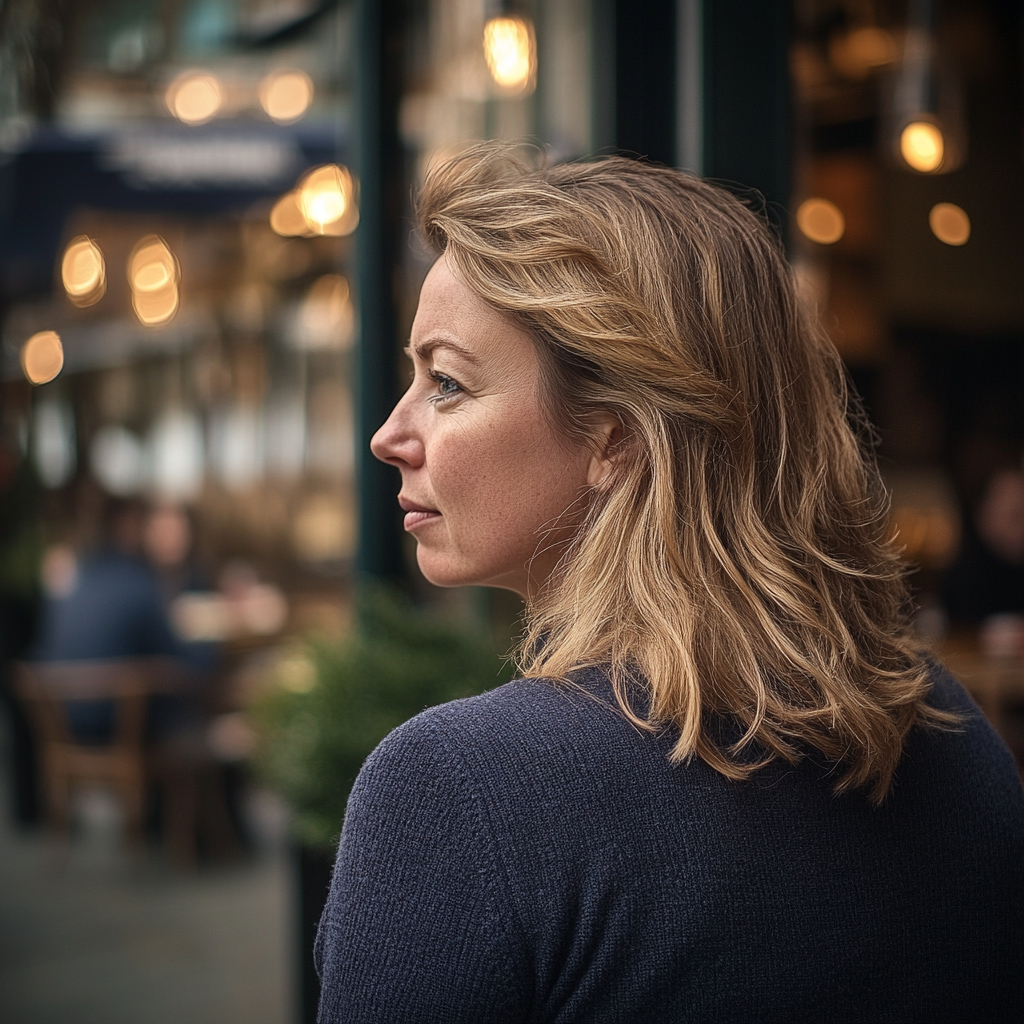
(109, 605)
(987, 577)
(167, 541)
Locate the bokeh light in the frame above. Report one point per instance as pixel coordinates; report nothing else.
(950, 223)
(42, 357)
(286, 218)
(194, 97)
(153, 275)
(922, 146)
(286, 95)
(83, 271)
(327, 200)
(510, 52)
(820, 220)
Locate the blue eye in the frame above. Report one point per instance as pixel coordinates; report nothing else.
(447, 387)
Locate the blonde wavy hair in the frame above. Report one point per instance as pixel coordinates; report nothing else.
(737, 560)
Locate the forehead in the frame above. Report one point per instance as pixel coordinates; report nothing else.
(450, 312)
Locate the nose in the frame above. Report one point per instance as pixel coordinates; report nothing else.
(397, 442)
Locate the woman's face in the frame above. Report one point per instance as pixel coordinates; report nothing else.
(484, 476)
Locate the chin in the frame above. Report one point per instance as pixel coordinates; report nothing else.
(441, 573)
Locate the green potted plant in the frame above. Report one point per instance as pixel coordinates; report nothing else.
(336, 700)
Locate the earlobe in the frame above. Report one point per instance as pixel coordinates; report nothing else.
(608, 433)
(599, 471)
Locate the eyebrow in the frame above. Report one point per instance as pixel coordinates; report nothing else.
(424, 348)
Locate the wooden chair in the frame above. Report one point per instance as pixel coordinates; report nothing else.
(47, 688)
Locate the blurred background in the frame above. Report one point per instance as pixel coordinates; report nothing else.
(207, 273)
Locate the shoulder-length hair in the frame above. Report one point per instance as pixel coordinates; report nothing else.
(737, 559)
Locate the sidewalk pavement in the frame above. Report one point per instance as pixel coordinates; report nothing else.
(117, 938)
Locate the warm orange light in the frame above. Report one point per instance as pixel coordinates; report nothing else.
(155, 308)
(922, 146)
(511, 53)
(42, 357)
(286, 217)
(194, 97)
(821, 221)
(153, 275)
(327, 200)
(950, 223)
(286, 95)
(83, 271)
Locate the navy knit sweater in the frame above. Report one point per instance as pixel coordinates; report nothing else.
(527, 855)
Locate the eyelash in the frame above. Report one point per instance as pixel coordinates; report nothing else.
(442, 379)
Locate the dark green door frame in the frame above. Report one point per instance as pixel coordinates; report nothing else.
(380, 240)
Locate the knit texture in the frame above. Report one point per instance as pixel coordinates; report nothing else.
(528, 855)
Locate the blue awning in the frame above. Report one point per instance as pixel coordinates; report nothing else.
(151, 166)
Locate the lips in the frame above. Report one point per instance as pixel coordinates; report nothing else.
(416, 514)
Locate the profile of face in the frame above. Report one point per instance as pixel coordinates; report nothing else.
(489, 487)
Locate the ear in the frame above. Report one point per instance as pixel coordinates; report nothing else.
(607, 434)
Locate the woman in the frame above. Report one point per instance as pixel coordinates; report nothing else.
(728, 786)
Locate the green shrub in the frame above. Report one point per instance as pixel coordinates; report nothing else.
(338, 699)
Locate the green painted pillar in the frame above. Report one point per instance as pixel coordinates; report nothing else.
(380, 166)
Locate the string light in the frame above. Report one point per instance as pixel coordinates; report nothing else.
(194, 97)
(511, 53)
(326, 198)
(286, 217)
(83, 271)
(323, 203)
(286, 95)
(821, 221)
(153, 275)
(926, 124)
(42, 357)
(922, 146)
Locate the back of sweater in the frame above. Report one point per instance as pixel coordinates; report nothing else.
(527, 855)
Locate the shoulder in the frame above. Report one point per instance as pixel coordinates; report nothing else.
(110, 568)
(496, 752)
(966, 764)
(524, 717)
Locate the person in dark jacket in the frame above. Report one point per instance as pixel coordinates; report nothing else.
(107, 605)
(729, 785)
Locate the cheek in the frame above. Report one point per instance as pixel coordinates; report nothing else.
(508, 479)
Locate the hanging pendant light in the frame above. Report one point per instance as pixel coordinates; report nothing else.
(927, 132)
(510, 48)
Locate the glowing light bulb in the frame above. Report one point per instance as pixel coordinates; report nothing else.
(326, 199)
(83, 271)
(821, 221)
(286, 218)
(153, 275)
(511, 53)
(286, 95)
(155, 308)
(42, 357)
(950, 223)
(922, 146)
(194, 97)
